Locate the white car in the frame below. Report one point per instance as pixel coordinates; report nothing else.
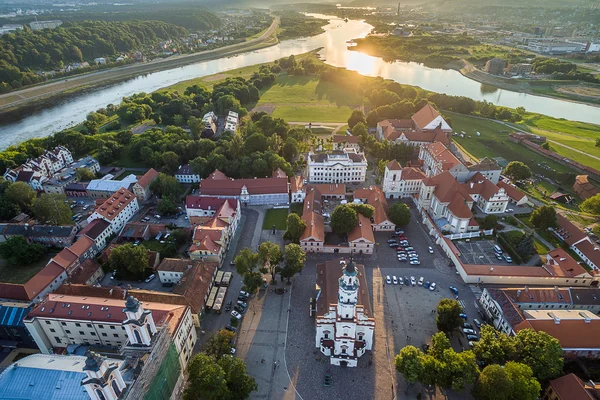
(236, 315)
(415, 262)
(148, 279)
(430, 250)
(388, 280)
(413, 281)
(421, 280)
(432, 286)
(395, 280)
(468, 331)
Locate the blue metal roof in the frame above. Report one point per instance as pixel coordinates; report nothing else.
(23, 383)
(12, 316)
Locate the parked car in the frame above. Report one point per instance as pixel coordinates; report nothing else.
(236, 315)
(398, 231)
(388, 280)
(393, 236)
(400, 281)
(468, 331)
(421, 280)
(430, 249)
(245, 294)
(426, 285)
(477, 323)
(467, 325)
(454, 290)
(392, 241)
(414, 262)
(432, 286)
(239, 309)
(149, 279)
(409, 248)
(395, 280)
(413, 281)
(228, 306)
(507, 258)
(473, 338)
(499, 256)
(463, 316)
(394, 244)
(231, 328)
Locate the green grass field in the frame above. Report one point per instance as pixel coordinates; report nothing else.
(277, 217)
(20, 274)
(312, 114)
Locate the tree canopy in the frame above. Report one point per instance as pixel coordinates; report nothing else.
(448, 315)
(543, 217)
(517, 171)
(269, 257)
(399, 214)
(51, 209)
(17, 250)
(295, 258)
(129, 260)
(295, 228)
(514, 381)
(343, 219)
(592, 204)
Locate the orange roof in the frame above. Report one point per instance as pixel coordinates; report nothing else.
(42, 279)
(447, 188)
(436, 135)
(296, 183)
(590, 250)
(115, 204)
(459, 206)
(82, 245)
(571, 333)
(411, 174)
(195, 282)
(278, 173)
(362, 230)
(424, 116)
(147, 178)
(328, 189)
(511, 191)
(570, 387)
(315, 224)
(375, 197)
(65, 258)
(479, 184)
(84, 272)
(440, 153)
(205, 243)
(568, 230)
(393, 165)
(217, 184)
(567, 263)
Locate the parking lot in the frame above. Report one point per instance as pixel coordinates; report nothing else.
(478, 252)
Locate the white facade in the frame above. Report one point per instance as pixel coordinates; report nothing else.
(344, 333)
(169, 276)
(337, 167)
(118, 221)
(396, 186)
(437, 159)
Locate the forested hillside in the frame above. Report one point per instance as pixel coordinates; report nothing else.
(25, 51)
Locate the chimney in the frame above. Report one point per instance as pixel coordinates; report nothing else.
(472, 184)
(526, 289)
(518, 292)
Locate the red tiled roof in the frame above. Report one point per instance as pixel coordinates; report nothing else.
(329, 189)
(590, 250)
(479, 184)
(436, 135)
(511, 191)
(195, 283)
(394, 165)
(65, 258)
(13, 291)
(94, 228)
(362, 230)
(315, 224)
(570, 387)
(375, 197)
(345, 139)
(115, 204)
(43, 279)
(566, 262)
(568, 230)
(147, 178)
(442, 155)
(424, 116)
(84, 272)
(411, 174)
(571, 333)
(296, 183)
(217, 186)
(82, 245)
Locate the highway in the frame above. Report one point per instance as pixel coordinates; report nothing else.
(19, 98)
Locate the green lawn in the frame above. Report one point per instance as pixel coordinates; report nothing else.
(20, 274)
(277, 217)
(297, 208)
(307, 90)
(312, 114)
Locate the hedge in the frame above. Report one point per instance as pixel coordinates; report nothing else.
(506, 245)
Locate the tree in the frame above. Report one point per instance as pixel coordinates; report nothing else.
(517, 171)
(408, 363)
(490, 222)
(84, 174)
(356, 117)
(448, 315)
(166, 185)
(295, 228)
(592, 205)
(21, 194)
(51, 209)
(269, 256)
(17, 250)
(526, 246)
(360, 129)
(246, 264)
(493, 347)
(206, 379)
(239, 383)
(399, 214)
(8, 210)
(514, 381)
(543, 217)
(129, 260)
(343, 219)
(290, 149)
(366, 210)
(539, 351)
(598, 142)
(171, 161)
(219, 344)
(166, 206)
(295, 258)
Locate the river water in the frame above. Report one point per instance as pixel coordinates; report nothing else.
(73, 110)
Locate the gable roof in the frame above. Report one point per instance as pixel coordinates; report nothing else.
(568, 231)
(393, 165)
(571, 333)
(590, 250)
(147, 178)
(424, 116)
(479, 184)
(84, 272)
(567, 263)
(95, 228)
(374, 196)
(570, 387)
(362, 230)
(195, 283)
(511, 191)
(217, 184)
(115, 204)
(345, 139)
(442, 155)
(311, 215)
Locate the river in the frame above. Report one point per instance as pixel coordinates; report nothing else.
(74, 109)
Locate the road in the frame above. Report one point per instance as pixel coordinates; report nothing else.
(21, 97)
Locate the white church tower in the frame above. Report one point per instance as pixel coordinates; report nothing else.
(345, 324)
(104, 380)
(139, 324)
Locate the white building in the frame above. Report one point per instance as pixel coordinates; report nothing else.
(37, 25)
(344, 322)
(232, 121)
(555, 47)
(401, 182)
(227, 210)
(185, 174)
(337, 167)
(437, 158)
(117, 210)
(489, 198)
(36, 171)
(106, 186)
(61, 320)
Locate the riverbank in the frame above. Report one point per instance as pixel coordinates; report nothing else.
(36, 97)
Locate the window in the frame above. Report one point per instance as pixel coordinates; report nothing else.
(101, 326)
(77, 324)
(67, 331)
(115, 335)
(112, 327)
(57, 339)
(104, 334)
(81, 333)
(47, 322)
(52, 330)
(63, 323)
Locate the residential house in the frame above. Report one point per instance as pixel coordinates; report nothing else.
(88, 272)
(36, 171)
(437, 158)
(374, 196)
(426, 126)
(201, 209)
(571, 387)
(578, 241)
(117, 210)
(515, 196)
(401, 182)
(185, 175)
(99, 230)
(209, 243)
(297, 189)
(489, 198)
(48, 235)
(141, 188)
(337, 167)
(195, 285)
(486, 167)
(257, 191)
(429, 119)
(361, 239)
(343, 142)
(139, 231)
(584, 188)
(34, 290)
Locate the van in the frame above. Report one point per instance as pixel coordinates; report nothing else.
(497, 249)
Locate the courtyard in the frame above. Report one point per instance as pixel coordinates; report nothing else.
(478, 252)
